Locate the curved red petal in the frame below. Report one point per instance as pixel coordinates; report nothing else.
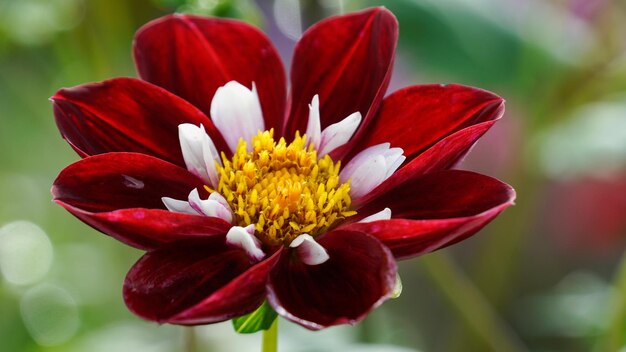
(126, 115)
(240, 296)
(173, 278)
(358, 277)
(448, 152)
(150, 228)
(410, 238)
(439, 195)
(192, 56)
(417, 117)
(333, 57)
(113, 181)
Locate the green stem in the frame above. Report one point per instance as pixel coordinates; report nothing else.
(189, 339)
(270, 338)
(470, 304)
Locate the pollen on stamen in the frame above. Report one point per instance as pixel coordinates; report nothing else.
(283, 189)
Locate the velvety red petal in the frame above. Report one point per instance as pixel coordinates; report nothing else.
(359, 276)
(113, 181)
(192, 56)
(174, 278)
(417, 117)
(126, 115)
(347, 60)
(150, 228)
(438, 195)
(447, 152)
(410, 238)
(240, 296)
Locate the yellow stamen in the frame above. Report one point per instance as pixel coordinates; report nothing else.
(283, 189)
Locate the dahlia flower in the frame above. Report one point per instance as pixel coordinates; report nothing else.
(241, 194)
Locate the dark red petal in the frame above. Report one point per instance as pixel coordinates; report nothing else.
(409, 238)
(239, 297)
(358, 277)
(126, 115)
(448, 152)
(171, 279)
(347, 60)
(434, 210)
(192, 56)
(113, 181)
(417, 117)
(150, 228)
(439, 195)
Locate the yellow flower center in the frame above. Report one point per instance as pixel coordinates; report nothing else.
(283, 189)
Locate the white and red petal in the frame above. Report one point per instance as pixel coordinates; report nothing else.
(126, 115)
(176, 50)
(330, 60)
(358, 276)
(333, 136)
(244, 239)
(309, 251)
(120, 195)
(435, 210)
(417, 117)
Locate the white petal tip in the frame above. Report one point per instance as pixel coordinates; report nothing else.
(198, 152)
(236, 112)
(178, 206)
(240, 237)
(338, 134)
(309, 251)
(370, 168)
(384, 214)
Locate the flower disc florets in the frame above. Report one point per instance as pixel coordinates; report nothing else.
(283, 189)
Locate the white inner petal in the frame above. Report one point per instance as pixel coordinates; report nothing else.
(393, 160)
(367, 175)
(338, 134)
(214, 206)
(309, 251)
(236, 112)
(333, 136)
(243, 237)
(199, 152)
(313, 129)
(384, 214)
(210, 207)
(371, 167)
(178, 206)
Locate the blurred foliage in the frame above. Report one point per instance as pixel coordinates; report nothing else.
(561, 65)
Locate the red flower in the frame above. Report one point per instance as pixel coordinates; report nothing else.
(203, 165)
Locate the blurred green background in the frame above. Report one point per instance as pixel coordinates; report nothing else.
(545, 276)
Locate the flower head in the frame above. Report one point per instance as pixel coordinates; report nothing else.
(239, 195)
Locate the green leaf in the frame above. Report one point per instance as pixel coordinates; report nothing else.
(260, 319)
(397, 290)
